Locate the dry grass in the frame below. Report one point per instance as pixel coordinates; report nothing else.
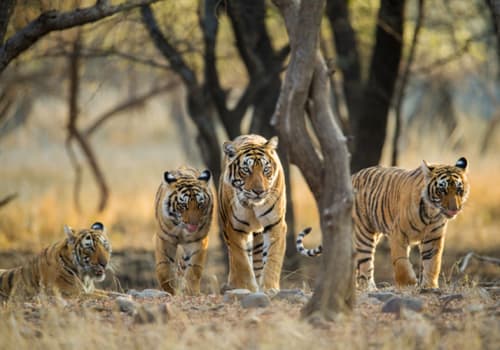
(206, 322)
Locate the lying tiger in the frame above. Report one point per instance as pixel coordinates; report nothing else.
(409, 206)
(68, 267)
(184, 207)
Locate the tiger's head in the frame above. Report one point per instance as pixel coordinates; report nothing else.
(447, 186)
(252, 167)
(91, 251)
(188, 201)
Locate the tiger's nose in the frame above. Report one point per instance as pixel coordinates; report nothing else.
(258, 192)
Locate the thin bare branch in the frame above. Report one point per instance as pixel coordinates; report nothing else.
(7, 199)
(127, 104)
(53, 21)
(166, 48)
(73, 131)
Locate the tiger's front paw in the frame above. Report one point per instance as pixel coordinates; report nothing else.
(404, 274)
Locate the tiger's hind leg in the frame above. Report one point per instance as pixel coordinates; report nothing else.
(195, 255)
(365, 244)
(165, 253)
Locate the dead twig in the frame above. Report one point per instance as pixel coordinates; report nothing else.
(465, 261)
(6, 200)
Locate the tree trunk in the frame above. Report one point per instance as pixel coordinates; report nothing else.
(370, 124)
(326, 170)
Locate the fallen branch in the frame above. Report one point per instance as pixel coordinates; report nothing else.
(465, 262)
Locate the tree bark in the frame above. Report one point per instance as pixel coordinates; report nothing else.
(326, 170)
(370, 124)
(199, 103)
(6, 10)
(403, 82)
(348, 59)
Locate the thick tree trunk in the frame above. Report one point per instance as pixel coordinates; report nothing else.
(370, 124)
(326, 170)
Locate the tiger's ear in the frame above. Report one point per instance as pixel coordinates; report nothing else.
(70, 235)
(97, 226)
(272, 143)
(205, 175)
(229, 149)
(427, 168)
(169, 178)
(462, 163)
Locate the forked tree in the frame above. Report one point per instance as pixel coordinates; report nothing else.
(304, 100)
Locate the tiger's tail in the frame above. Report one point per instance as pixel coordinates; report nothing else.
(300, 246)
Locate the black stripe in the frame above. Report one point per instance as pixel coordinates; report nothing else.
(238, 230)
(363, 251)
(413, 227)
(258, 251)
(257, 261)
(257, 246)
(270, 226)
(364, 242)
(362, 261)
(258, 268)
(240, 221)
(437, 227)
(269, 210)
(431, 240)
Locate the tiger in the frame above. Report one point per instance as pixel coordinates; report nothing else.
(68, 267)
(252, 201)
(184, 207)
(410, 207)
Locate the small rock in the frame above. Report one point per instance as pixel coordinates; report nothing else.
(148, 293)
(473, 308)
(292, 295)
(382, 296)
(235, 294)
(395, 304)
(254, 300)
(152, 313)
(126, 305)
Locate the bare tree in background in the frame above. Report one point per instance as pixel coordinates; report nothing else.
(368, 101)
(50, 21)
(305, 93)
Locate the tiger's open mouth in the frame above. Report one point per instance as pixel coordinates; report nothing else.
(99, 274)
(450, 213)
(191, 228)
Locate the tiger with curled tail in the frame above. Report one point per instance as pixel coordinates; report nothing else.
(184, 209)
(68, 267)
(252, 202)
(410, 207)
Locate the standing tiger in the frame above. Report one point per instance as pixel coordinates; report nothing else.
(409, 206)
(252, 201)
(184, 208)
(68, 267)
